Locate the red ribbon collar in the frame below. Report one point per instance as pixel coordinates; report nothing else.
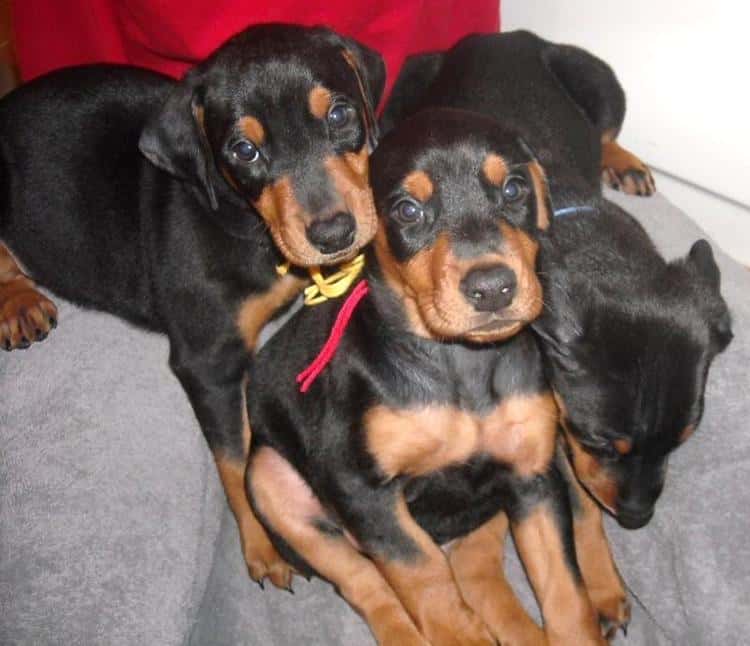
(306, 378)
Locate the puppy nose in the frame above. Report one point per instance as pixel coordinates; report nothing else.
(633, 515)
(489, 289)
(333, 234)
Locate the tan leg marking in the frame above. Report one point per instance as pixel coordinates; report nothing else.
(287, 503)
(257, 310)
(26, 315)
(477, 563)
(261, 557)
(429, 592)
(569, 617)
(603, 582)
(623, 171)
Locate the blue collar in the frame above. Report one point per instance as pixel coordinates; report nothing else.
(572, 210)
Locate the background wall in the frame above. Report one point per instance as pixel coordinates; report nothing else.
(684, 67)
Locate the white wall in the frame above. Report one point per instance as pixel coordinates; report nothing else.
(684, 65)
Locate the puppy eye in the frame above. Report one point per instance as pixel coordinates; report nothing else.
(246, 151)
(407, 212)
(339, 115)
(514, 188)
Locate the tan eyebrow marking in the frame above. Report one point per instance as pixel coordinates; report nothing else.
(252, 129)
(419, 185)
(495, 169)
(319, 101)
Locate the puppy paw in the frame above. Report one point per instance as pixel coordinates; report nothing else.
(264, 562)
(614, 615)
(26, 315)
(632, 181)
(623, 171)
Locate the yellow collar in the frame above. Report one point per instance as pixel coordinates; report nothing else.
(334, 285)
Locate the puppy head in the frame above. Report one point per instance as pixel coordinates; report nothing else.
(280, 116)
(629, 364)
(460, 205)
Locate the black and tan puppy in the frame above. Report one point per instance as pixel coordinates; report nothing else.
(433, 418)
(628, 337)
(171, 204)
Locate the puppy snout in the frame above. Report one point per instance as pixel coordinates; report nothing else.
(333, 234)
(633, 516)
(489, 289)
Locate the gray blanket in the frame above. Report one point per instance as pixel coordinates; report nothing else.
(114, 529)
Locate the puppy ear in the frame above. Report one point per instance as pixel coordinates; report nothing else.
(174, 139)
(701, 259)
(541, 195)
(371, 67)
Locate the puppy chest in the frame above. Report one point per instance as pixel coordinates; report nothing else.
(519, 432)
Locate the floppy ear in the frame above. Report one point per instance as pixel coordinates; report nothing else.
(701, 258)
(174, 139)
(371, 67)
(541, 195)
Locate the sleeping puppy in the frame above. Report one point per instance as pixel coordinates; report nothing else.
(628, 337)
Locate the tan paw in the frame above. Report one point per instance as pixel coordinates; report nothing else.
(614, 614)
(264, 562)
(26, 315)
(632, 181)
(623, 171)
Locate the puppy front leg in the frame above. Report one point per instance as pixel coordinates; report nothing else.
(216, 393)
(603, 581)
(543, 532)
(414, 566)
(477, 563)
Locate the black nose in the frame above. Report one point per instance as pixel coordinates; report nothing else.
(333, 234)
(633, 517)
(489, 289)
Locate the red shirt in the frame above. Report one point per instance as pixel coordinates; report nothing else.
(171, 35)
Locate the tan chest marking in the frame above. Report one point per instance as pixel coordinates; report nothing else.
(519, 432)
(257, 310)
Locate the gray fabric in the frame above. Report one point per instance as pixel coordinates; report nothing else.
(109, 500)
(114, 530)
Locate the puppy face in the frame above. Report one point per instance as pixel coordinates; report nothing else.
(460, 206)
(630, 381)
(282, 118)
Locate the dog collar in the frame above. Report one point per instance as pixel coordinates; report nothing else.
(572, 210)
(333, 286)
(306, 378)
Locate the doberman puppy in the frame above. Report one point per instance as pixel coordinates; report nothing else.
(628, 337)
(171, 204)
(434, 418)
